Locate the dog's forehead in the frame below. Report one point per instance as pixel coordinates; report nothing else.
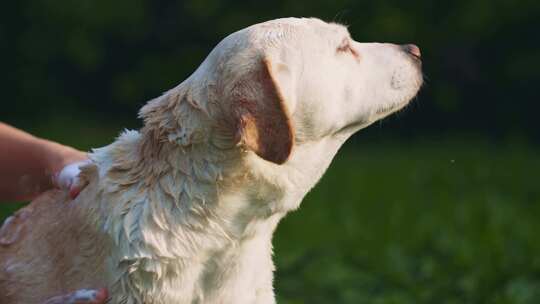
(278, 38)
(313, 23)
(279, 27)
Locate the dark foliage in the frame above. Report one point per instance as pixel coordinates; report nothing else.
(106, 58)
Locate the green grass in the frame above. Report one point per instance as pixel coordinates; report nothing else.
(422, 222)
(425, 222)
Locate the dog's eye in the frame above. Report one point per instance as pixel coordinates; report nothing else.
(346, 47)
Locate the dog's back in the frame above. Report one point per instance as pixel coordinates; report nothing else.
(49, 248)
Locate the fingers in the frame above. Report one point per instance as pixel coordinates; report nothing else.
(68, 175)
(68, 178)
(77, 185)
(81, 296)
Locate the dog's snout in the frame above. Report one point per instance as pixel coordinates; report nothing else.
(412, 50)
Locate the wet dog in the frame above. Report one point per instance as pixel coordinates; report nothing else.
(183, 211)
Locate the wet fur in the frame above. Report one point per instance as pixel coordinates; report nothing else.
(183, 211)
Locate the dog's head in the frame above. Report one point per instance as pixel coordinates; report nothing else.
(278, 85)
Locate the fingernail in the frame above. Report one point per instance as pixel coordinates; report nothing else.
(101, 295)
(74, 192)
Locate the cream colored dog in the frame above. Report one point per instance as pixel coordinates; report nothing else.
(183, 210)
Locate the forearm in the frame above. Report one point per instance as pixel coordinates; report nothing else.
(27, 163)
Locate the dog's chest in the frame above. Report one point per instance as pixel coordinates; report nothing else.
(239, 274)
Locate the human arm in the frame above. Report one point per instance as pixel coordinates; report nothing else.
(31, 165)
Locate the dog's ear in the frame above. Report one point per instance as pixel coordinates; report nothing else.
(263, 123)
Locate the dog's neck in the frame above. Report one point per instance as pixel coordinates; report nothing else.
(186, 225)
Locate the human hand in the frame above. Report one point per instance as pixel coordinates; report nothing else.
(64, 163)
(68, 178)
(81, 296)
(31, 165)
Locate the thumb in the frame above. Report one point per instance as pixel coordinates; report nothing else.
(69, 179)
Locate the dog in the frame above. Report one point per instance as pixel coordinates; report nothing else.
(183, 211)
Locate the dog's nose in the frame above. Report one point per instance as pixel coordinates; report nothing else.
(412, 49)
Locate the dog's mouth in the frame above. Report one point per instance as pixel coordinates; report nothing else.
(413, 53)
(416, 59)
(377, 114)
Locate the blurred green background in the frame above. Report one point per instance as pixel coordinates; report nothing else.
(437, 204)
